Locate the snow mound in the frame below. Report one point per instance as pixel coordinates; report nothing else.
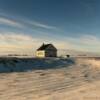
(94, 63)
(29, 64)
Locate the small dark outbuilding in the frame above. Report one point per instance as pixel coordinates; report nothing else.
(46, 50)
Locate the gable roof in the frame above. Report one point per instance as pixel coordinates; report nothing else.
(44, 46)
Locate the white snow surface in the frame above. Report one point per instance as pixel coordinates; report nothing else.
(50, 79)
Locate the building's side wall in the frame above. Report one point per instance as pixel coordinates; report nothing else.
(51, 53)
(40, 54)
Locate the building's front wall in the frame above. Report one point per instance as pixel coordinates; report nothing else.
(40, 54)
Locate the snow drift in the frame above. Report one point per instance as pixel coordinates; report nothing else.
(29, 64)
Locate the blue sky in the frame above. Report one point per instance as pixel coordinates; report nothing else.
(69, 24)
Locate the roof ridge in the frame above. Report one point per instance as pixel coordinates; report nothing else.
(43, 46)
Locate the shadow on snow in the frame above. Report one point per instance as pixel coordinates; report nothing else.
(28, 64)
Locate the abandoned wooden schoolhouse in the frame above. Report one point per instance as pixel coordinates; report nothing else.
(46, 50)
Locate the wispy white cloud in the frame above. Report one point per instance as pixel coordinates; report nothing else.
(17, 39)
(5, 21)
(84, 40)
(24, 23)
(90, 40)
(13, 36)
(41, 25)
(87, 43)
(17, 43)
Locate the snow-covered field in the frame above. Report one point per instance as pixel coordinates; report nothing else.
(50, 79)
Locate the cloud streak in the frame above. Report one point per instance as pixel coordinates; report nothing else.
(17, 43)
(10, 36)
(24, 23)
(5, 21)
(40, 25)
(90, 40)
